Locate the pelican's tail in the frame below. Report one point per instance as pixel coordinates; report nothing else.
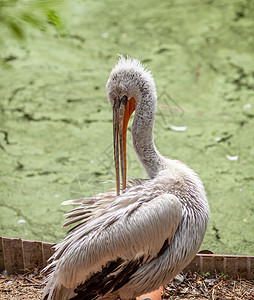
(53, 292)
(56, 291)
(58, 294)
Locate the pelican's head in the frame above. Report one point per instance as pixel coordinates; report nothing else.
(129, 78)
(129, 86)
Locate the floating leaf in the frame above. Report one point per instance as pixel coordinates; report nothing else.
(21, 221)
(247, 106)
(234, 157)
(178, 128)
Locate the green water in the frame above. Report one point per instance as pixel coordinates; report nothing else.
(56, 123)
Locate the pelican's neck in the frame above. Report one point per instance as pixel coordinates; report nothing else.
(142, 136)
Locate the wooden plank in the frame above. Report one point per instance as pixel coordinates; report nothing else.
(218, 263)
(230, 265)
(13, 255)
(242, 267)
(208, 263)
(194, 265)
(251, 267)
(33, 257)
(47, 251)
(2, 267)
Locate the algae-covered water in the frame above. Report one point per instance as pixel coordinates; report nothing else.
(56, 123)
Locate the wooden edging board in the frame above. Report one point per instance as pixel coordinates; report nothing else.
(18, 255)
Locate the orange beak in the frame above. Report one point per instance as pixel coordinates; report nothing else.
(122, 111)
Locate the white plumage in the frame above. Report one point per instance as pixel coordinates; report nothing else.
(133, 243)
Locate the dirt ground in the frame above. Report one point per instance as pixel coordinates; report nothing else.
(56, 123)
(185, 286)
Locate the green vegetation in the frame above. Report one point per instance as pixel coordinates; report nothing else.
(56, 123)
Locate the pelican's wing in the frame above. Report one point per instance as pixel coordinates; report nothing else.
(91, 207)
(132, 230)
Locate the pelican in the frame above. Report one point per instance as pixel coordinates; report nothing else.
(132, 240)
